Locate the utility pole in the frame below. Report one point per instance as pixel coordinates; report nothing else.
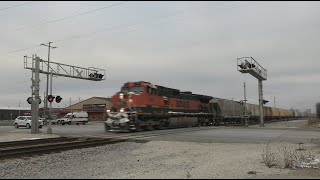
(274, 101)
(245, 106)
(49, 127)
(49, 131)
(19, 106)
(44, 106)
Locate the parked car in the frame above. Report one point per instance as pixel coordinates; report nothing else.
(25, 121)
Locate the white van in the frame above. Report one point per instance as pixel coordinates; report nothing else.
(74, 118)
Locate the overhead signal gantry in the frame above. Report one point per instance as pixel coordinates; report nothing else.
(251, 66)
(38, 66)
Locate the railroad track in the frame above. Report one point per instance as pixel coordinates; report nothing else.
(16, 149)
(137, 136)
(255, 122)
(43, 146)
(144, 135)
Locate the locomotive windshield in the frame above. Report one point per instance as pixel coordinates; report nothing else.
(125, 89)
(137, 89)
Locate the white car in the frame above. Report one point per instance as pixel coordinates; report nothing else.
(25, 121)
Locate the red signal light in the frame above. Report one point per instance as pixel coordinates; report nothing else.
(50, 98)
(58, 99)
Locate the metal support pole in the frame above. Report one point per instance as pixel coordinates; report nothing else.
(245, 106)
(49, 130)
(48, 113)
(35, 102)
(261, 102)
(46, 108)
(32, 79)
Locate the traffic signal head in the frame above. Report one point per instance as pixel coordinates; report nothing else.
(58, 99)
(50, 98)
(29, 100)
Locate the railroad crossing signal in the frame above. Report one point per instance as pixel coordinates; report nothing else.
(29, 100)
(50, 98)
(58, 99)
(96, 76)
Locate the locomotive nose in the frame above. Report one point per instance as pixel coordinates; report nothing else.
(123, 96)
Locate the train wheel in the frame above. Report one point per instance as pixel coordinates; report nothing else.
(162, 125)
(148, 128)
(138, 128)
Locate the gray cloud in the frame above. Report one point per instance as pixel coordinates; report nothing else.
(194, 51)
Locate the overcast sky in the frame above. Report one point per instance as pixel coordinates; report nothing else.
(191, 46)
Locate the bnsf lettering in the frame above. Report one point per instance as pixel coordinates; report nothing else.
(182, 104)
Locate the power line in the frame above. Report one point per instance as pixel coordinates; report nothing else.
(72, 16)
(203, 12)
(122, 26)
(165, 22)
(10, 7)
(143, 21)
(128, 25)
(110, 28)
(23, 49)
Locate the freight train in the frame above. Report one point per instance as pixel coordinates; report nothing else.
(143, 105)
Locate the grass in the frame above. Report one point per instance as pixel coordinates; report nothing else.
(313, 121)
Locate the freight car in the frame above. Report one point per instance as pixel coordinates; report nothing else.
(142, 105)
(230, 112)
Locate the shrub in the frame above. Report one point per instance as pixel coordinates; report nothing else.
(268, 157)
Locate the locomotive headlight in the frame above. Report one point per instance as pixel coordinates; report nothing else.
(121, 95)
(122, 110)
(108, 110)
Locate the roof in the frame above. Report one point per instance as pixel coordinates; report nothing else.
(103, 98)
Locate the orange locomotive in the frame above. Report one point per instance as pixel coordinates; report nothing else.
(142, 105)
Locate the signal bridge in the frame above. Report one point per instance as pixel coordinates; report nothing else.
(251, 66)
(38, 66)
(59, 69)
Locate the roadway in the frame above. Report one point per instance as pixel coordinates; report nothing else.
(210, 134)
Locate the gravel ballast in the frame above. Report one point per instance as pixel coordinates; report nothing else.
(154, 159)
